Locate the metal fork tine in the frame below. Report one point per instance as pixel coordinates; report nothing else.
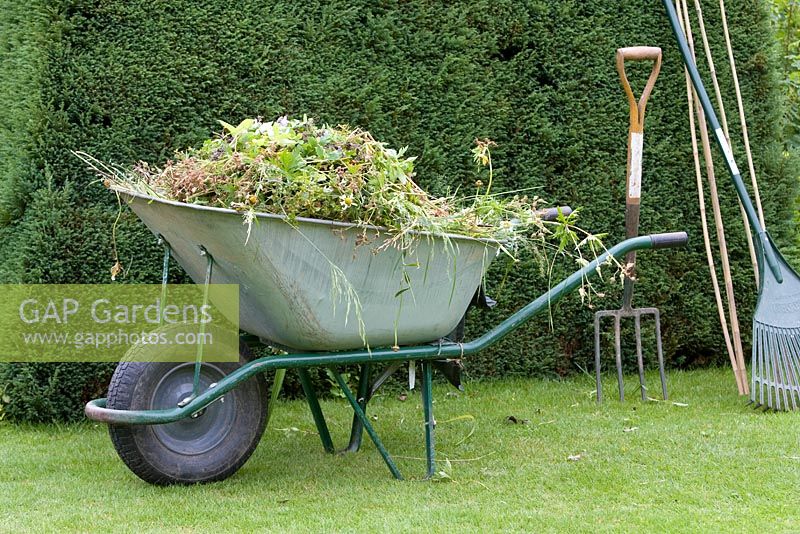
(597, 358)
(618, 348)
(618, 315)
(637, 324)
(660, 354)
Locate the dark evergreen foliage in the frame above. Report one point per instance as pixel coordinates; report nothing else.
(137, 80)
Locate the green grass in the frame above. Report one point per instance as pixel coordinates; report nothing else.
(714, 465)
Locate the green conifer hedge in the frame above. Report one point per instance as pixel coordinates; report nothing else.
(139, 79)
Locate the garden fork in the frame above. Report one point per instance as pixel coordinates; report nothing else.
(632, 201)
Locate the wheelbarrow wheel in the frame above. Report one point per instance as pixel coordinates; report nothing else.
(208, 447)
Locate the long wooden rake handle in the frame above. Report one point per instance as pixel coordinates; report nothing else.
(766, 248)
(733, 340)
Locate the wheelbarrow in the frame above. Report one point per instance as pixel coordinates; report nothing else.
(193, 422)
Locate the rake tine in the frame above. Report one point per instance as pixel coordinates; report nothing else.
(637, 323)
(773, 371)
(774, 358)
(618, 348)
(764, 376)
(766, 372)
(754, 367)
(791, 375)
(780, 376)
(794, 337)
(766, 361)
(790, 340)
(794, 391)
(758, 358)
(767, 364)
(794, 354)
(783, 371)
(794, 358)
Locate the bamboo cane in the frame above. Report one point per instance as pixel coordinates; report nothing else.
(724, 120)
(750, 166)
(704, 222)
(740, 369)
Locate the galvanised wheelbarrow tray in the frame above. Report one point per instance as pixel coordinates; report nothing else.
(200, 421)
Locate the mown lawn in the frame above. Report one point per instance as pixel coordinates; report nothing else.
(702, 461)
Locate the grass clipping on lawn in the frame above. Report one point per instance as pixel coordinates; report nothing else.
(295, 168)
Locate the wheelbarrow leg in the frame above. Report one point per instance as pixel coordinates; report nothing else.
(357, 430)
(316, 411)
(367, 426)
(430, 423)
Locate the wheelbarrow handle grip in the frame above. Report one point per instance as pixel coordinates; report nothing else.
(669, 240)
(551, 214)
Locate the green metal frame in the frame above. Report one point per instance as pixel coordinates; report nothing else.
(357, 429)
(98, 411)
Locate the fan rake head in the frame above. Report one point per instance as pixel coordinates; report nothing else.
(776, 341)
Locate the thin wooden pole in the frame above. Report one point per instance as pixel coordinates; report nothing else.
(704, 222)
(721, 107)
(750, 166)
(723, 247)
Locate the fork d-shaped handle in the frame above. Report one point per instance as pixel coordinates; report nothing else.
(633, 185)
(638, 53)
(637, 110)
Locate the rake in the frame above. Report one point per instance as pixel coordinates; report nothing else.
(775, 365)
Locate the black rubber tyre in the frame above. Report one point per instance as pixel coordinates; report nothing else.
(207, 448)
